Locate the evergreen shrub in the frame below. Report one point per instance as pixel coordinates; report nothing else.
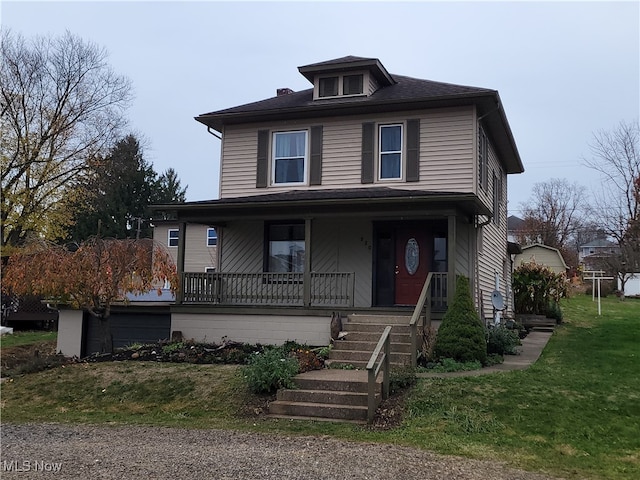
(461, 335)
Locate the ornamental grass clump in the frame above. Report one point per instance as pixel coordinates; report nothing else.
(536, 287)
(461, 335)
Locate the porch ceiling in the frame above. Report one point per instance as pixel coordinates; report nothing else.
(372, 202)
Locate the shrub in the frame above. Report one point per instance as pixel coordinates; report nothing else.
(270, 370)
(554, 311)
(461, 334)
(401, 377)
(501, 340)
(448, 365)
(535, 286)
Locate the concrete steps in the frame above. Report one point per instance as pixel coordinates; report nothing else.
(336, 394)
(362, 335)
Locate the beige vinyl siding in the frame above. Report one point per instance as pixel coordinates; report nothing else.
(493, 253)
(373, 85)
(198, 255)
(465, 237)
(446, 152)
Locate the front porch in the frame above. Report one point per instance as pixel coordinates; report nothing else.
(334, 290)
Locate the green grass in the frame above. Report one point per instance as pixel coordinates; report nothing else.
(575, 413)
(26, 338)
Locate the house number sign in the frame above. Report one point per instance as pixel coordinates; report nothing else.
(412, 256)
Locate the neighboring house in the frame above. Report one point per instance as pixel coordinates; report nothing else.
(514, 228)
(201, 244)
(544, 255)
(590, 254)
(344, 197)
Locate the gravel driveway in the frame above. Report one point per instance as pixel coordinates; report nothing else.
(102, 452)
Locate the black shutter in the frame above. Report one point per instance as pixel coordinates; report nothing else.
(316, 156)
(262, 166)
(413, 150)
(367, 152)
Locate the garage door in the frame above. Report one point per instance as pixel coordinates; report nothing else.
(127, 328)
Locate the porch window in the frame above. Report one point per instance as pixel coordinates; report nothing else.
(390, 163)
(289, 157)
(285, 247)
(172, 237)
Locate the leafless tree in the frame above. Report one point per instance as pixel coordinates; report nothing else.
(616, 155)
(61, 105)
(552, 215)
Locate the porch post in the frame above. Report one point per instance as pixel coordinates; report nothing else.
(182, 241)
(307, 264)
(451, 258)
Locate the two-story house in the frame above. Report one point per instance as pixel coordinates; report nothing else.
(345, 197)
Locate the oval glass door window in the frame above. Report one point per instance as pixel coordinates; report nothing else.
(412, 256)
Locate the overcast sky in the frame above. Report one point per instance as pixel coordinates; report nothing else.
(564, 70)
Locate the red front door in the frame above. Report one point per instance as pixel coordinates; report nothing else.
(413, 254)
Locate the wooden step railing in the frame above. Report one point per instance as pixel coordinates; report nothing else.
(423, 306)
(373, 369)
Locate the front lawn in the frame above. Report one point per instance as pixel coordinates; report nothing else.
(572, 414)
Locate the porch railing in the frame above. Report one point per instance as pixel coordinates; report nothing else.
(265, 288)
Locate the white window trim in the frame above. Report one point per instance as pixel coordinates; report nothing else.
(208, 238)
(169, 238)
(402, 152)
(340, 76)
(209, 269)
(305, 170)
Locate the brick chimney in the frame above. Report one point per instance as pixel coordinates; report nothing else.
(284, 91)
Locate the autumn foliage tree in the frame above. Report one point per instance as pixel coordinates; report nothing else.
(91, 276)
(61, 104)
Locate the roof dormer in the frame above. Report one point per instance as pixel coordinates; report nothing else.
(346, 77)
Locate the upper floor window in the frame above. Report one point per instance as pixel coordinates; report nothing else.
(289, 157)
(172, 237)
(340, 85)
(328, 87)
(212, 237)
(390, 152)
(352, 84)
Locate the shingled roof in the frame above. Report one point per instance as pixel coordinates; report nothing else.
(396, 93)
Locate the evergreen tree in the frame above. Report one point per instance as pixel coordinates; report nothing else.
(118, 193)
(461, 335)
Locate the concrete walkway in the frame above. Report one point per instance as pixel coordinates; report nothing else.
(529, 352)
